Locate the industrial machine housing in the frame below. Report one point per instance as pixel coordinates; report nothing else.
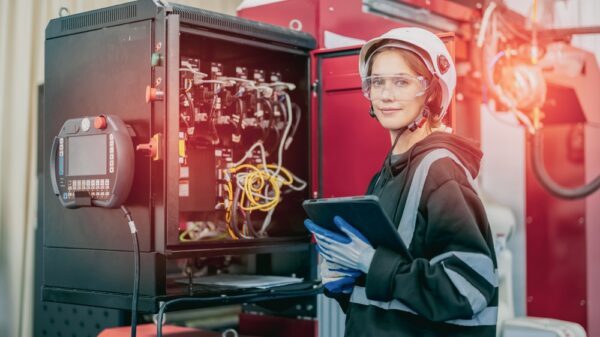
(198, 90)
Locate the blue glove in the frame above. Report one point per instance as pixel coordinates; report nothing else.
(318, 230)
(352, 250)
(337, 279)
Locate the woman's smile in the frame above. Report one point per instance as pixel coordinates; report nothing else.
(390, 111)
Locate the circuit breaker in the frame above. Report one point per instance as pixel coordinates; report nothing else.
(219, 114)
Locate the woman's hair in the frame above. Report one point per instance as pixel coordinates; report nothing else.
(433, 95)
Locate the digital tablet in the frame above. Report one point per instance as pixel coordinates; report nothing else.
(364, 213)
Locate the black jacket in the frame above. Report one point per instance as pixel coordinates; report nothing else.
(448, 286)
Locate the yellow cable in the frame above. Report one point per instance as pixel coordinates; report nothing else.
(282, 169)
(183, 234)
(244, 166)
(231, 233)
(258, 206)
(257, 180)
(229, 189)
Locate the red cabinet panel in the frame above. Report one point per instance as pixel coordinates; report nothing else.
(353, 145)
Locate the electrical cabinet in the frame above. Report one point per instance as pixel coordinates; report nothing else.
(218, 108)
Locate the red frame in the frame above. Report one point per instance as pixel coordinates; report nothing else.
(556, 235)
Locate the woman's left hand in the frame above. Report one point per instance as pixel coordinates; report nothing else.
(352, 251)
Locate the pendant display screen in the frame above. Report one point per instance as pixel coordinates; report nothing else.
(87, 155)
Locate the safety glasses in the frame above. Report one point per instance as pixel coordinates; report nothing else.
(397, 87)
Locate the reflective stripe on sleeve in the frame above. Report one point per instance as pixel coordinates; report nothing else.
(488, 316)
(480, 263)
(465, 288)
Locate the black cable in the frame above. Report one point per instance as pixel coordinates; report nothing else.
(249, 224)
(213, 119)
(276, 119)
(284, 112)
(535, 143)
(164, 305)
(267, 109)
(387, 165)
(240, 111)
(192, 109)
(234, 210)
(136, 273)
(256, 297)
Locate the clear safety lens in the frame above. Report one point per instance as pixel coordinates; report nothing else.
(396, 87)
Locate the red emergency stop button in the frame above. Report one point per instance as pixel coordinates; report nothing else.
(100, 122)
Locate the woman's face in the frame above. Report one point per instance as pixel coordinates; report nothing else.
(392, 110)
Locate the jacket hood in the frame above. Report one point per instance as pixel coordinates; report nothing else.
(465, 150)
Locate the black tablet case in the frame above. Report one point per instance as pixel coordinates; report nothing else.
(364, 213)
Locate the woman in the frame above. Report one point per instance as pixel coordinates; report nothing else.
(448, 286)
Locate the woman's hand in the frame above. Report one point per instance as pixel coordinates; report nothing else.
(352, 250)
(337, 279)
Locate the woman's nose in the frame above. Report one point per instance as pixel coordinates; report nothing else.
(387, 93)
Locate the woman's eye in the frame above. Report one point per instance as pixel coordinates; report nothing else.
(401, 82)
(378, 82)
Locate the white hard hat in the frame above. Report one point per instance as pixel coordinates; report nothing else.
(436, 58)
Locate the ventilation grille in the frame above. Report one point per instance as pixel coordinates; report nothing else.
(67, 320)
(99, 17)
(242, 26)
(213, 20)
